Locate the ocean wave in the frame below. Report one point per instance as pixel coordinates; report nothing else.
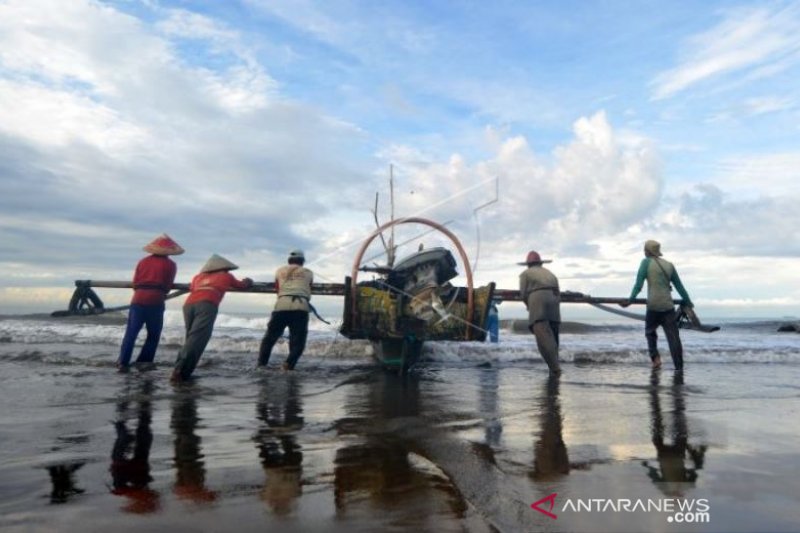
(327, 351)
(80, 340)
(173, 318)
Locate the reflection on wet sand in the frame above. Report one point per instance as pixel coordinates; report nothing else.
(380, 467)
(488, 407)
(550, 453)
(130, 456)
(672, 475)
(280, 410)
(61, 476)
(190, 472)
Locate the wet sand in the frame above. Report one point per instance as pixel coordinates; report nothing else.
(449, 448)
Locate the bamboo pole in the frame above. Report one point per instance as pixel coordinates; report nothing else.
(338, 289)
(325, 289)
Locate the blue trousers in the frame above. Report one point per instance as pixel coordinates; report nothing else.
(665, 319)
(150, 316)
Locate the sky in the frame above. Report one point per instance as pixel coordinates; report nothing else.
(249, 128)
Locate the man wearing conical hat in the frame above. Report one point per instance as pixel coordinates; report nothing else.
(539, 291)
(152, 280)
(200, 310)
(660, 275)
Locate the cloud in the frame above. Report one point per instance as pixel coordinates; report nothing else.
(436, 64)
(753, 107)
(593, 186)
(56, 118)
(113, 130)
(596, 185)
(754, 42)
(770, 174)
(117, 126)
(706, 219)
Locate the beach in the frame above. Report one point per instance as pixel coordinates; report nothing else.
(468, 441)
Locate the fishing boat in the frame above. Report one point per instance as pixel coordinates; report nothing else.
(413, 301)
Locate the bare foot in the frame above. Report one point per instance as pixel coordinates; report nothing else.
(657, 362)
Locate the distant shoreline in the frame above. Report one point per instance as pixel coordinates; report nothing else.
(518, 325)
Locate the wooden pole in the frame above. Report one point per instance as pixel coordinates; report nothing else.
(325, 289)
(338, 289)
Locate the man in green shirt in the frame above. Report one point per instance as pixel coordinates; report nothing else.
(660, 275)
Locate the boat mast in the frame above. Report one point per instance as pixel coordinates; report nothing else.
(390, 252)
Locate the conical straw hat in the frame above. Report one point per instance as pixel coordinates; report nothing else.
(163, 245)
(217, 262)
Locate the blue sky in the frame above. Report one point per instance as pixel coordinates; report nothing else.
(248, 128)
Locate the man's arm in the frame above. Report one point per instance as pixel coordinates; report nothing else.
(641, 275)
(523, 289)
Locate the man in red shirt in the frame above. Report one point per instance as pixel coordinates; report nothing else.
(152, 280)
(200, 311)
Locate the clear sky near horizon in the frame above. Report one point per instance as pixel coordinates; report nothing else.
(251, 127)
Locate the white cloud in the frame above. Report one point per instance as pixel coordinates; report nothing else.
(748, 40)
(47, 116)
(709, 220)
(768, 104)
(81, 44)
(307, 17)
(115, 128)
(596, 185)
(741, 112)
(110, 132)
(242, 87)
(749, 176)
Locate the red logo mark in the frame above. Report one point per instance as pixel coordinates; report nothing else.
(552, 500)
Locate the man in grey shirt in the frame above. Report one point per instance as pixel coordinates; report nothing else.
(539, 291)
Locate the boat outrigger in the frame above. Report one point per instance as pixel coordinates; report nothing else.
(406, 305)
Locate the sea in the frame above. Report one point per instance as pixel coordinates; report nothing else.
(93, 341)
(478, 437)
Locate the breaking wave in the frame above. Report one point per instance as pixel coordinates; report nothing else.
(94, 341)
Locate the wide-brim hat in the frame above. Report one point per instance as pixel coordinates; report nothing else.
(163, 245)
(217, 262)
(534, 257)
(653, 248)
